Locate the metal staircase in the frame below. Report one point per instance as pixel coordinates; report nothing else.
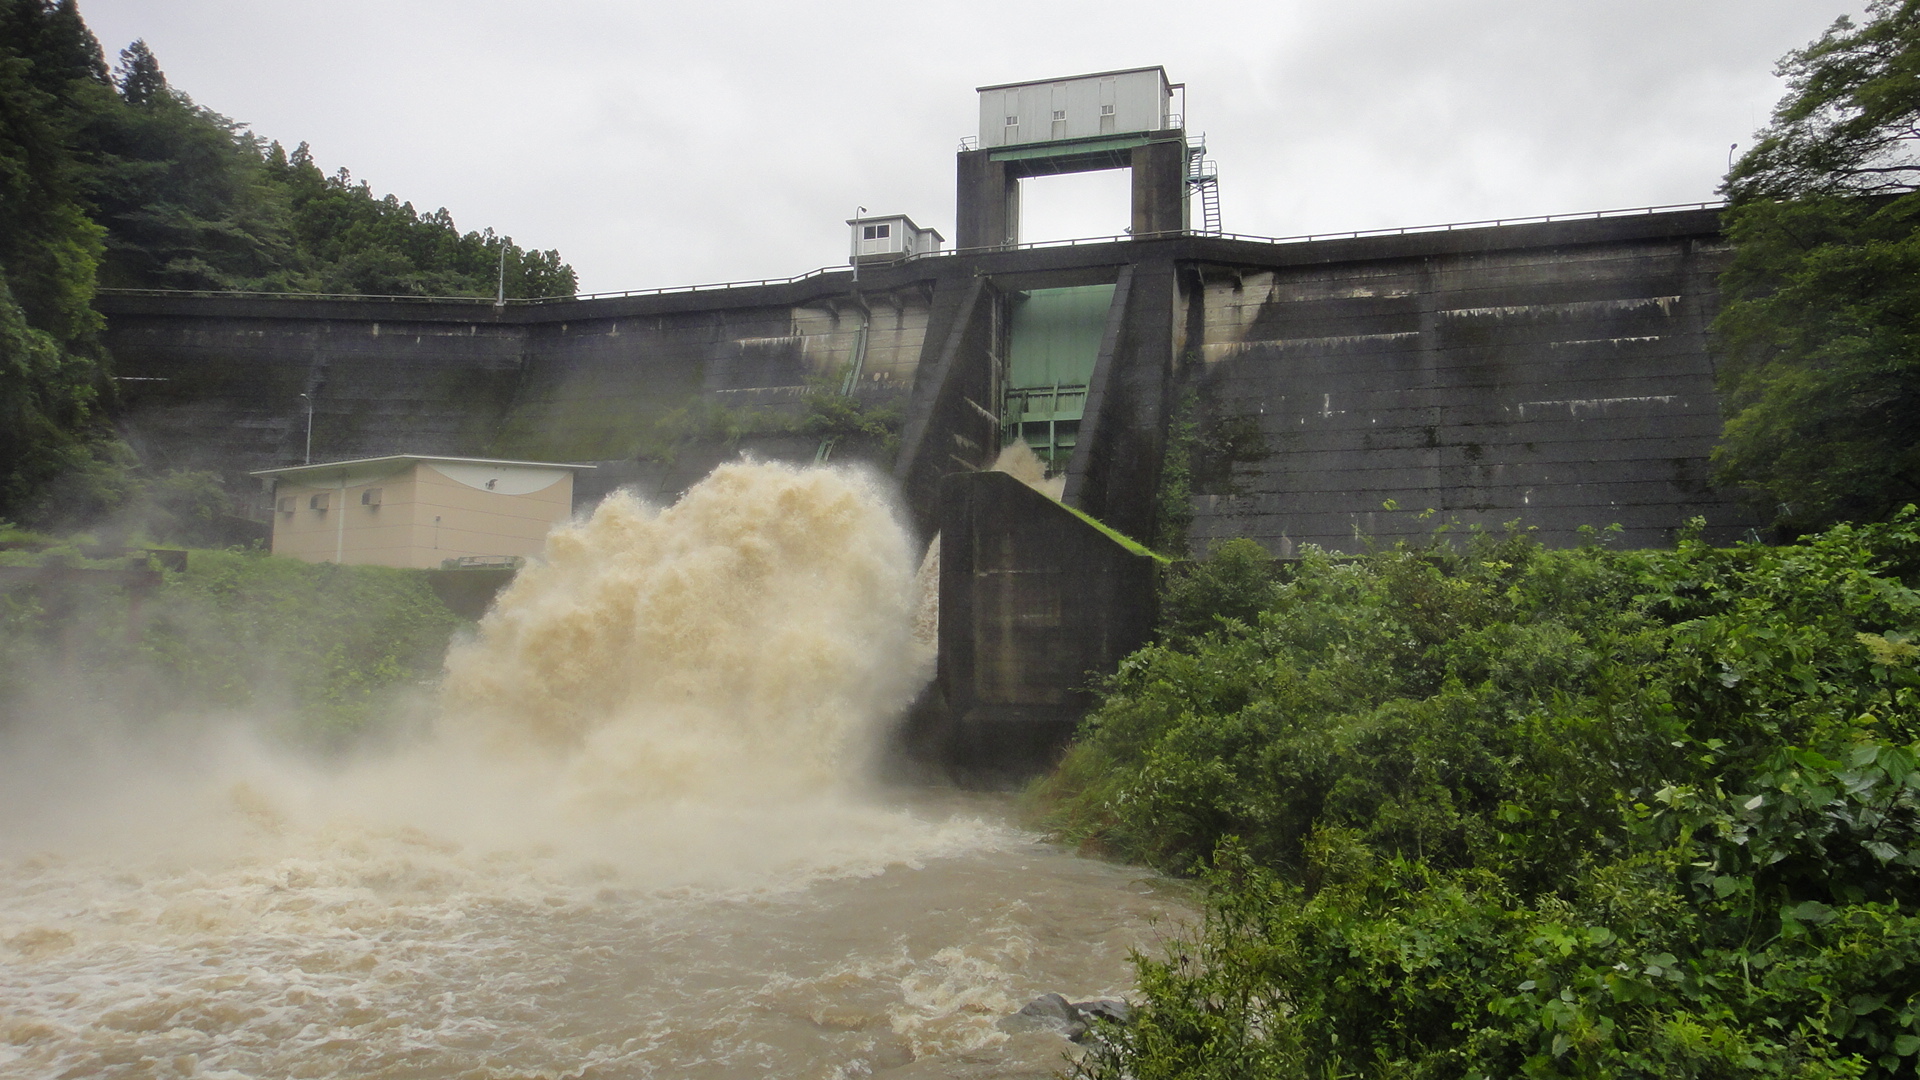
(1203, 180)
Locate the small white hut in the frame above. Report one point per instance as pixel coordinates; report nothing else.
(889, 237)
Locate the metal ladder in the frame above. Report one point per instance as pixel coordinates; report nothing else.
(1203, 179)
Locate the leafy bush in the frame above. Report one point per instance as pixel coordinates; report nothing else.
(1495, 810)
(1235, 582)
(860, 425)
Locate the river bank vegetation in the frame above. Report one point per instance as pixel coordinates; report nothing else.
(1488, 809)
(322, 655)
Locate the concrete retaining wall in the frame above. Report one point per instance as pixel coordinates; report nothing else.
(1033, 602)
(215, 383)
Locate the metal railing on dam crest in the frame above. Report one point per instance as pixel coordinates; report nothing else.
(825, 271)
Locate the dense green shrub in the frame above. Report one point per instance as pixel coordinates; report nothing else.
(1496, 810)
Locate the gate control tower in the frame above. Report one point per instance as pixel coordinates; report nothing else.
(1106, 120)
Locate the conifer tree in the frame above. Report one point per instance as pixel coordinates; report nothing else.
(52, 369)
(139, 76)
(118, 179)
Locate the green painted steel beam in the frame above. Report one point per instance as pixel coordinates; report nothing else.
(1076, 148)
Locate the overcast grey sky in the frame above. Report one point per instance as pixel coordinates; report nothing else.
(664, 144)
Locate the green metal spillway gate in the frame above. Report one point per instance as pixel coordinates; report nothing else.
(1053, 339)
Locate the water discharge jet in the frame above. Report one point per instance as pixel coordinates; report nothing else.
(753, 635)
(636, 844)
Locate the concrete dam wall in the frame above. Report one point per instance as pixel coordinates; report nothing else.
(1558, 374)
(216, 383)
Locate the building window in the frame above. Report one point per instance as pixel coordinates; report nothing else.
(877, 232)
(285, 505)
(1013, 121)
(371, 497)
(1106, 110)
(1059, 114)
(317, 502)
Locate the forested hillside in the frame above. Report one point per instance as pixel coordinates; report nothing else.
(112, 178)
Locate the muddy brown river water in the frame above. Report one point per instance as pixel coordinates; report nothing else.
(399, 954)
(633, 842)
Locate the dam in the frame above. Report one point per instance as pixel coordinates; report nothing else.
(633, 831)
(1321, 390)
(1555, 372)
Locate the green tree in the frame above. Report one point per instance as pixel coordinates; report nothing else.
(184, 192)
(1821, 327)
(52, 369)
(355, 242)
(139, 76)
(118, 179)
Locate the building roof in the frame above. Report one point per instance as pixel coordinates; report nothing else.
(1071, 78)
(329, 468)
(892, 217)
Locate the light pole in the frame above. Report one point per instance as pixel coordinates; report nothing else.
(309, 402)
(500, 295)
(855, 257)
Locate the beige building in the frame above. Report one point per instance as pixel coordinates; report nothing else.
(416, 510)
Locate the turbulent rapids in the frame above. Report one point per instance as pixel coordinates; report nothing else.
(637, 842)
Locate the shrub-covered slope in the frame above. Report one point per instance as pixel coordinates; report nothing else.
(316, 652)
(1495, 810)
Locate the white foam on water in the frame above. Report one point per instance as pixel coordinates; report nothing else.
(649, 763)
